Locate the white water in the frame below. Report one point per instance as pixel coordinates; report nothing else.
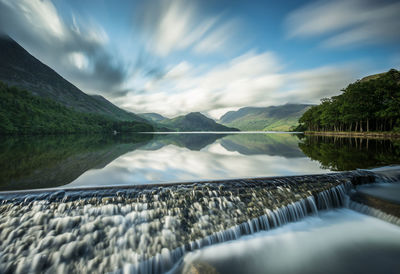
(148, 230)
(336, 241)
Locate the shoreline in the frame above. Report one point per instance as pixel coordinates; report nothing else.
(370, 135)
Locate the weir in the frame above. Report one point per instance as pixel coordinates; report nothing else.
(148, 229)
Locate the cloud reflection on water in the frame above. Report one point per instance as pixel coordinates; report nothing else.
(172, 162)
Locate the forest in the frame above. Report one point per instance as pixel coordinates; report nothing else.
(22, 113)
(369, 104)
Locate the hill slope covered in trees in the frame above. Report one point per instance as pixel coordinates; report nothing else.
(370, 104)
(278, 118)
(19, 68)
(23, 113)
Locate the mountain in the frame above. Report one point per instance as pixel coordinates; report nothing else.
(154, 117)
(22, 113)
(194, 121)
(19, 68)
(274, 118)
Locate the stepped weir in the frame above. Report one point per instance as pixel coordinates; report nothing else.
(148, 229)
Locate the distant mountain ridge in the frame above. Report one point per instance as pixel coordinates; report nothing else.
(19, 68)
(194, 121)
(274, 118)
(154, 117)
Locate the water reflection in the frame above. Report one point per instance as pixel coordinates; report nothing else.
(284, 145)
(342, 153)
(50, 161)
(172, 163)
(75, 161)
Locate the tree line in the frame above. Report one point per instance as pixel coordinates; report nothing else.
(22, 113)
(370, 104)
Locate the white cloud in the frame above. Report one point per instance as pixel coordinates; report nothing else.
(79, 60)
(173, 25)
(41, 17)
(309, 86)
(348, 22)
(253, 79)
(39, 28)
(180, 70)
(218, 39)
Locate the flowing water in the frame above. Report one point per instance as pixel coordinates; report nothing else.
(120, 209)
(149, 229)
(336, 241)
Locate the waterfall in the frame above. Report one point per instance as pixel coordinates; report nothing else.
(148, 229)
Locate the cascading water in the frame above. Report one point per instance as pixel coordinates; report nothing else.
(147, 229)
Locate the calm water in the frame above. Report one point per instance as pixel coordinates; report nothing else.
(76, 161)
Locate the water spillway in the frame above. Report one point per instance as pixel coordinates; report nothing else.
(147, 229)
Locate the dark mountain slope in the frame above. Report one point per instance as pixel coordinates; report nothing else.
(24, 113)
(19, 68)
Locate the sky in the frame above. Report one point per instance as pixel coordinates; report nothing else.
(175, 56)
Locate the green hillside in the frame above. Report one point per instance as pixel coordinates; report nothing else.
(273, 118)
(19, 68)
(23, 113)
(194, 121)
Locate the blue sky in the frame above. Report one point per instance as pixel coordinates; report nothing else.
(177, 56)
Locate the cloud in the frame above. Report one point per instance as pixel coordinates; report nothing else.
(252, 79)
(218, 39)
(309, 86)
(347, 22)
(78, 52)
(174, 25)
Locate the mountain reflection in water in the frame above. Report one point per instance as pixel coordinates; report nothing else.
(98, 160)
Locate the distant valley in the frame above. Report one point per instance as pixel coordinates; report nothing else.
(273, 118)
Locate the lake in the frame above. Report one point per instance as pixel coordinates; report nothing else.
(300, 224)
(99, 160)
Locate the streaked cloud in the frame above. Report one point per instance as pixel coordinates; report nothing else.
(309, 86)
(252, 79)
(77, 51)
(174, 25)
(347, 22)
(179, 56)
